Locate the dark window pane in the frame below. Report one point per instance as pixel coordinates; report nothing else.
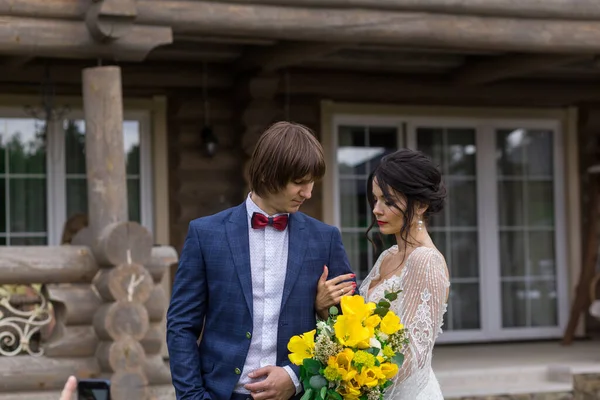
(461, 151)
(356, 245)
(28, 241)
(539, 153)
(351, 154)
(541, 254)
(462, 202)
(463, 308)
(2, 152)
(540, 203)
(464, 261)
(510, 155)
(26, 149)
(510, 203)
(439, 240)
(512, 254)
(525, 152)
(76, 196)
(75, 146)
(27, 205)
(134, 199)
(514, 304)
(544, 311)
(131, 140)
(2, 241)
(3, 203)
(431, 142)
(353, 203)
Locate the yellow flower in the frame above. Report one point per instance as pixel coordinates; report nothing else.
(332, 373)
(355, 306)
(364, 359)
(350, 331)
(349, 390)
(390, 323)
(302, 347)
(389, 370)
(369, 377)
(388, 352)
(342, 363)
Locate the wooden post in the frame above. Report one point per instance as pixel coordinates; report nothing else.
(105, 157)
(121, 247)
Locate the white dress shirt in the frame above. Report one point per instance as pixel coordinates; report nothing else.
(268, 265)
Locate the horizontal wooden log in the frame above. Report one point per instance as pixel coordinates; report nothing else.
(74, 304)
(71, 341)
(368, 26)
(389, 88)
(560, 9)
(124, 243)
(124, 354)
(157, 304)
(114, 321)
(157, 392)
(43, 264)
(157, 370)
(126, 282)
(128, 385)
(161, 260)
(155, 338)
(71, 39)
(26, 373)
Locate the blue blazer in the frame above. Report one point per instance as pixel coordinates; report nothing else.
(212, 295)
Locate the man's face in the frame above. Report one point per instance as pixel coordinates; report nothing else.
(290, 198)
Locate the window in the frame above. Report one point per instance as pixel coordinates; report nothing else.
(500, 230)
(43, 181)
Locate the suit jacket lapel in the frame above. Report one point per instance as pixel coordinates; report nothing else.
(239, 243)
(297, 246)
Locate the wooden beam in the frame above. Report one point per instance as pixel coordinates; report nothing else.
(510, 66)
(367, 26)
(562, 9)
(285, 55)
(424, 90)
(71, 39)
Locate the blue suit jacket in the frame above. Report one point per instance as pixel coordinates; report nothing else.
(212, 294)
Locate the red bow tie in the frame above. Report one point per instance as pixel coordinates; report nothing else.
(259, 221)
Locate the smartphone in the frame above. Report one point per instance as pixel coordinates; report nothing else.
(93, 389)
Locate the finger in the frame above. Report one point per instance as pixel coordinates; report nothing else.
(342, 289)
(341, 278)
(324, 275)
(257, 387)
(69, 390)
(257, 373)
(267, 394)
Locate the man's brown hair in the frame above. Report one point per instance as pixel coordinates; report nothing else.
(285, 152)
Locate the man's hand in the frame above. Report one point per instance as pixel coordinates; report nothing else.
(278, 385)
(330, 292)
(68, 392)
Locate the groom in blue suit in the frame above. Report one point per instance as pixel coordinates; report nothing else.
(247, 279)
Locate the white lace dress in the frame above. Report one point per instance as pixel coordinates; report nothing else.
(421, 306)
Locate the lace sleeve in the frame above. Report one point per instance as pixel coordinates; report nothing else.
(422, 305)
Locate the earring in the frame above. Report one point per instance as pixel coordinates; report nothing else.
(420, 225)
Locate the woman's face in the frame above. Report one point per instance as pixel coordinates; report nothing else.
(388, 212)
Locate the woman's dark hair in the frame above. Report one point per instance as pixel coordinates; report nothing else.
(412, 175)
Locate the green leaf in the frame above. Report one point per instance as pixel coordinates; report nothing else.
(307, 395)
(317, 382)
(383, 303)
(312, 366)
(398, 359)
(334, 395)
(381, 311)
(372, 350)
(323, 392)
(391, 296)
(333, 310)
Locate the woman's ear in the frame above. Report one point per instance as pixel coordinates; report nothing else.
(420, 210)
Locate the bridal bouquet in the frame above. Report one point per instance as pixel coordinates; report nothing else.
(351, 356)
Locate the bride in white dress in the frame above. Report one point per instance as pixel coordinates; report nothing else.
(404, 190)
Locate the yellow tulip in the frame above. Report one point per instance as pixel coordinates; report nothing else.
(342, 362)
(350, 331)
(390, 323)
(349, 391)
(369, 377)
(302, 347)
(389, 370)
(355, 306)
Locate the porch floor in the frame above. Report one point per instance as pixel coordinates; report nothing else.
(512, 368)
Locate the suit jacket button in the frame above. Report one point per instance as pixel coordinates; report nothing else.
(248, 335)
(237, 371)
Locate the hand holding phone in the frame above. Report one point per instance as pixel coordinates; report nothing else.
(93, 389)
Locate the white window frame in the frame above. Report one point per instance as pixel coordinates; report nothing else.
(490, 295)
